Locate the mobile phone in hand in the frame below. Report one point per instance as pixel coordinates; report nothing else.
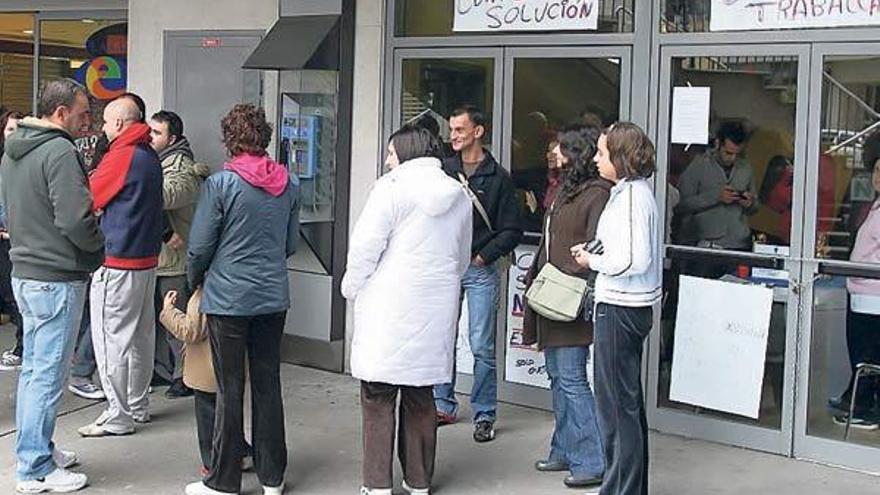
(594, 247)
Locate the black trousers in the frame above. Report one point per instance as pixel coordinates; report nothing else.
(168, 360)
(258, 337)
(7, 299)
(863, 342)
(619, 334)
(416, 434)
(206, 409)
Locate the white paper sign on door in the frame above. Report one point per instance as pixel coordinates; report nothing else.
(690, 114)
(526, 15)
(720, 345)
(523, 364)
(746, 15)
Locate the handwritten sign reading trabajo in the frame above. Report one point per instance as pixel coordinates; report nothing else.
(745, 15)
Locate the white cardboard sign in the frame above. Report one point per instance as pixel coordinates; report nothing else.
(746, 15)
(690, 114)
(526, 15)
(720, 345)
(523, 364)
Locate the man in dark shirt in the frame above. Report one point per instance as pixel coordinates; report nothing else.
(497, 231)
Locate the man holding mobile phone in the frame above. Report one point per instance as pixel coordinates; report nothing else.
(718, 193)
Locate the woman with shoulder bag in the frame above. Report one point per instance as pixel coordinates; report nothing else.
(629, 266)
(572, 218)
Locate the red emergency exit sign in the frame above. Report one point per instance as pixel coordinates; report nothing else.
(211, 42)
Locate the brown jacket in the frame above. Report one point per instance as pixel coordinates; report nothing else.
(571, 222)
(190, 328)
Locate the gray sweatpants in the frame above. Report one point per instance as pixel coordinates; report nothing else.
(124, 333)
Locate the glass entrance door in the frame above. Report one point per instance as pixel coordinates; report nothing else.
(528, 94)
(841, 331)
(730, 197)
(545, 90)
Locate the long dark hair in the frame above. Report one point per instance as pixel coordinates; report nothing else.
(4, 119)
(578, 145)
(774, 173)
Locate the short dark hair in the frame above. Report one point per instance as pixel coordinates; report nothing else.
(411, 142)
(630, 151)
(732, 131)
(58, 93)
(246, 131)
(174, 122)
(139, 102)
(474, 114)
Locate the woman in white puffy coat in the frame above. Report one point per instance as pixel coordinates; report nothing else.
(406, 257)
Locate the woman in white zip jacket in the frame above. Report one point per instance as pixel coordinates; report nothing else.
(629, 268)
(406, 257)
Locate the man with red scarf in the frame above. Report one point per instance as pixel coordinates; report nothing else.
(127, 190)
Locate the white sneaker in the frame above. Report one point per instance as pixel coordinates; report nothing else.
(64, 459)
(273, 490)
(9, 361)
(200, 489)
(58, 481)
(375, 491)
(416, 491)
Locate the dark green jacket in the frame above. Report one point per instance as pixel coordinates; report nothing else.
(43, 188)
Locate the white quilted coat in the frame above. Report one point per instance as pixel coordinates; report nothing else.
(406, 257)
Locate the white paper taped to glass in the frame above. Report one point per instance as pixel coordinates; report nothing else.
(690, 115)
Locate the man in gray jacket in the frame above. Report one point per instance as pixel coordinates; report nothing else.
(718, 194)
(56, 244)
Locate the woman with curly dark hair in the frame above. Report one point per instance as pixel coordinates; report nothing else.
(571, 219)
(245, 227)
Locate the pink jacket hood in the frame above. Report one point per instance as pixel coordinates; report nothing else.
(260, 172)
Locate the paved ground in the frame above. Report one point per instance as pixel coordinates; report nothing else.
(323, 432)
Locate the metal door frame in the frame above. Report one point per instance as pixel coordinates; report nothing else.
(496, 54)
(393, 121)
(515, 392)
(837, 452)
(502, 131)
(64, 15)
(703, 427)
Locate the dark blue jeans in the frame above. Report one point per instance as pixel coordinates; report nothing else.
(84, 364)
(576, 435)
(482, 286)
(619, 334)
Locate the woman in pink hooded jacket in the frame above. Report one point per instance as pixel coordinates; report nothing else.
(863, 317)
(246, 226)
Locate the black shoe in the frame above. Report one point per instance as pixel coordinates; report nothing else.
(178, 390)
(581, 481)
(859, 422)
(548, 466)
(158, 381)
(484, 431)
